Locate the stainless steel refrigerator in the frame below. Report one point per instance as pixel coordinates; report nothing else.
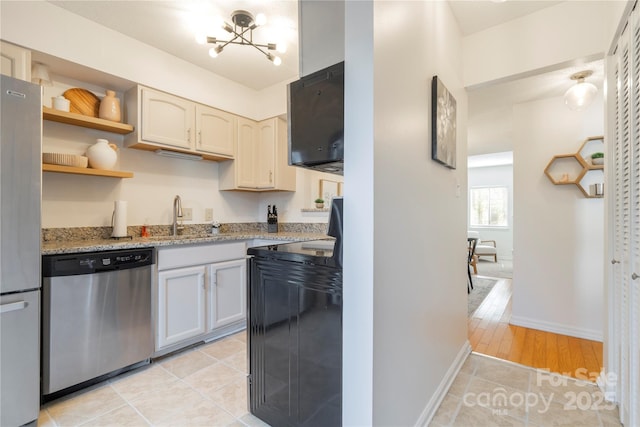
(20, 193)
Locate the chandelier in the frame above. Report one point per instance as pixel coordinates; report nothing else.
(242, 33)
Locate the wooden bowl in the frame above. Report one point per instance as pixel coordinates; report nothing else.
(83, 102)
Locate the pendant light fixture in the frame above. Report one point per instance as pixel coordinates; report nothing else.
(242, 31)
(580, 95)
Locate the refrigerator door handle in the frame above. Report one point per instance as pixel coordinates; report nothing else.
(6, 308)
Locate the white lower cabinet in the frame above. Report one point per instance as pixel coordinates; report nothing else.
(181, 305)
(201, 294)
(227, 300)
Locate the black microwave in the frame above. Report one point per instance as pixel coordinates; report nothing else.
(315, 110)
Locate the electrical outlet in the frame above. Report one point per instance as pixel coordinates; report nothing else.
(187, 214)
(208, 214)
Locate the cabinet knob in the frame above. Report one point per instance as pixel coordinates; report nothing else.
(189, 134)
(270, 176)
(615, 261)
(634, 276)
(199, 137)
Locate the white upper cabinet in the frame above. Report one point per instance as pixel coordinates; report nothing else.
(16, 61)
(170, 122)
(167, 119)
(245, 162)
(216, 130)
(266, 154)
(261, 162)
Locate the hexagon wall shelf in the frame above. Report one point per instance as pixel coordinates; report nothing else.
(577, 168)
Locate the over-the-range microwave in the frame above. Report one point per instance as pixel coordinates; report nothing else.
(316, 120)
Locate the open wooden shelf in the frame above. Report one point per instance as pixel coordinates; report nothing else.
(86, 171)
(577, 168)
(85, 121)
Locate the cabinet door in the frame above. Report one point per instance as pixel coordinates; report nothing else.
(181, 305)
(167, 119)
(216, 131)
(266, 154)
(228, 293)
(16, 61)
(245, 158)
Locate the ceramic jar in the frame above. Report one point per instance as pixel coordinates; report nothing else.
(110, 107)
(102, 155)
(61, 103)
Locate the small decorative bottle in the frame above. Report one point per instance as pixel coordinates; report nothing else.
(110, 107)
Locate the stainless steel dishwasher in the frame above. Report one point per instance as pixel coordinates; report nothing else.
(96, 317)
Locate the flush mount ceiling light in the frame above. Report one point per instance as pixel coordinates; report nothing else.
(242, 31)
(580, 95)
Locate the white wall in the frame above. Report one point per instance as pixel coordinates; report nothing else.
(326, 18)
(558, 233)
(494, 176)
(554, 35)
(405, 284)
(70, 201)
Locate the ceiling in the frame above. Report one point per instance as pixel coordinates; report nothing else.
(169, 26)
(478, 15)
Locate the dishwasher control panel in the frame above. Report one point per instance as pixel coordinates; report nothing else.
(95, 262)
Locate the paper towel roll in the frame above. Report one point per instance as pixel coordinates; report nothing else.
(119, 219)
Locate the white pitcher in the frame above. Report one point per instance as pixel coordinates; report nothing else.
(102, 155)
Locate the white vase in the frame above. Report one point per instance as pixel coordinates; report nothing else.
(102, 155)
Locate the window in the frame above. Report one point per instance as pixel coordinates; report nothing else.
(488, 206)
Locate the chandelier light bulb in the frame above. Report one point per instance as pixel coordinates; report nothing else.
(214, 51)
(281, 47)
(277, 61)
(261, 19)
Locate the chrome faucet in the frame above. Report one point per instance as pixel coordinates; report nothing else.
(177, 213)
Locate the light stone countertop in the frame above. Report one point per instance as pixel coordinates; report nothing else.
(78, 246)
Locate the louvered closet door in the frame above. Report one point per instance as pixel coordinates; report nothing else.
(621, 193)
(634, 284)
(625, 290)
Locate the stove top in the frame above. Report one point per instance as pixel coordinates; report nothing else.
(319, 252)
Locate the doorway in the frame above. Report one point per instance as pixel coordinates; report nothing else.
(558, 235)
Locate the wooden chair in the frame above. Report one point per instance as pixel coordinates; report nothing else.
(471, 245)
(484, 247)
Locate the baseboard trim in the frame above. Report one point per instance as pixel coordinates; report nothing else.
(607, 387)
(436, 399)
(556, 328)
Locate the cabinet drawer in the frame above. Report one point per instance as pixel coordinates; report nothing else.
(200, 254)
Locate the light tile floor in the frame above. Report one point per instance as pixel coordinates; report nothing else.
(206, 386)
(494, 392)
(202, 386)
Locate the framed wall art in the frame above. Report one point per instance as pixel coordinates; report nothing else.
(329, 189)
(443, 124)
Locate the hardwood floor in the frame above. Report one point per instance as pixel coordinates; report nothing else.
(490, 333)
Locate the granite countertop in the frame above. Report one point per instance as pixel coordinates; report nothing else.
(77, 246)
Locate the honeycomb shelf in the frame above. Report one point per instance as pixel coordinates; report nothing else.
(577, 168)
